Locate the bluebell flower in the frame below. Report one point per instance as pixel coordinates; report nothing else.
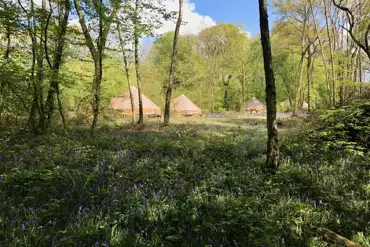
(155, 229)
(233, 194)
(23, 227)
(97, 244)
(320, 202)
(104, 244)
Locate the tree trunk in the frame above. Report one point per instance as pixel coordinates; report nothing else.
(8, 42)
(272, 161)
(360, 72)
(326, 11)
(322, 53)
(137, 63)
(297, 101)
(167, 110)
(98, 74)
(122, 43)
(309, 79)
(54, 80)
(32, 32)
(61, 108)
(96, 52)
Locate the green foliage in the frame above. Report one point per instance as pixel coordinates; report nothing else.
(346, 129)
(206, 188)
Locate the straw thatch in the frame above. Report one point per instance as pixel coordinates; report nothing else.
(123, 103)
(254, 106)
(184, 106)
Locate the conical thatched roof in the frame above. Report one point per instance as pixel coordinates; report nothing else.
(254, 105)
(123, 103)
(185, 106)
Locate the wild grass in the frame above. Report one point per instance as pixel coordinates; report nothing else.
(195, 184)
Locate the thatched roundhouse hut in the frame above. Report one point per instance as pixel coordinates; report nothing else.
(184, 106)
(123, 103)
(254, 106)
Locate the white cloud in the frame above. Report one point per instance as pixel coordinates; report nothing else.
(193, 22)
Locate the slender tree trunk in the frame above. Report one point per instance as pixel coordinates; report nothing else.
(226, 103)
(297, 101)
(309, 79)
(167, 110)
(272, 161)
(98, 71)
(326, 11)
(96, 52)
(8, 42)
(61, 108)
(122, 43)
(6, 58)
(137, 63)
(298, 97)
(98, 68)
(322, 52)
(40, 69)
(360, 72)
(54, 80)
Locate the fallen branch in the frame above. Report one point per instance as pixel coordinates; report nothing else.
(334, 237)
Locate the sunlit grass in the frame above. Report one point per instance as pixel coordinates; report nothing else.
(197, 183)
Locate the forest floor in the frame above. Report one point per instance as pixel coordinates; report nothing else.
(197, 183)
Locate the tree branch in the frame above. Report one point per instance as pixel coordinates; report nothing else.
(88, 39)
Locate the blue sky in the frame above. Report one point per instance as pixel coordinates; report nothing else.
(243, 12)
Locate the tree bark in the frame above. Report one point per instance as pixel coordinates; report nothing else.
(40, 70)
(55, 67)
(122, 43)
(297, 101)
(334, 87)
(8, 42)
(322, 52)
(309, 78)
(167, 110)
(272, 156)
(360, 72)
(96, 52)
(332, 236)
(137, 63)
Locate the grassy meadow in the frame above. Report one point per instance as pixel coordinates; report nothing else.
(199, 182)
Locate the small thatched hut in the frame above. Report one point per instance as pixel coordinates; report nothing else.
(184, 106)
(254, 106)
(123, 103)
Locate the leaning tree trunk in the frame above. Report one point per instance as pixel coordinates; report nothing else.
(122, 43)
(272, 161)
(137, 63)
(173, 67)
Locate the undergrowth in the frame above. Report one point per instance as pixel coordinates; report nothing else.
(158, 189)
